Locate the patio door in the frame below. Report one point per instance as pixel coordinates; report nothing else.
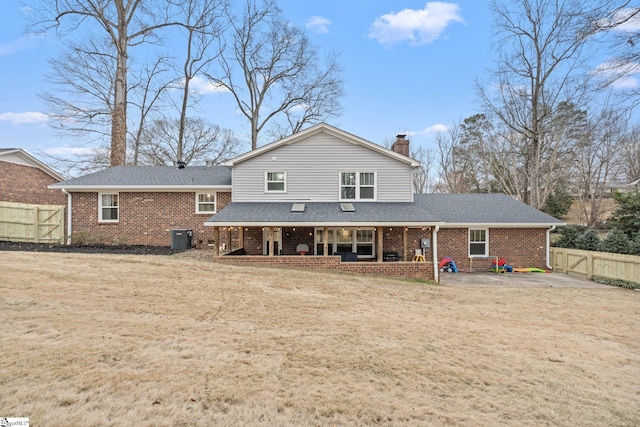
(277, 241)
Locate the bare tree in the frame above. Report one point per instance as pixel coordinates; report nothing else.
(619, 30)
(203, 28)
(83, 102)
(598, 160)
(125, 23)
(630, 155)
(204, 143)
(541, 45)
(423, 181)
(149, 92)
(273, 70)
(457, 167)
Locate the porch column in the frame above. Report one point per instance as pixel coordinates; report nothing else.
(271, 234)
(240, 238)
(216, 242)
(405, 243)
(325, 243)
(379, 255)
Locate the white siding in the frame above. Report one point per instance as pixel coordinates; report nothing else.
(313, 166)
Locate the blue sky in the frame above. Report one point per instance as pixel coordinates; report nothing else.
(409, 66)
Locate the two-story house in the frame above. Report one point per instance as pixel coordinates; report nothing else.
(320, 192)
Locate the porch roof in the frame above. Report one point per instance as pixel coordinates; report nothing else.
(323, 214)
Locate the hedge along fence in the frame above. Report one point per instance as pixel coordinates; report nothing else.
(591, 264)
(20, 222)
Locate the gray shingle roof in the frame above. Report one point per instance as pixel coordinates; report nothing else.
(120, 176)
(428, 209)
(492, 208)
(322, 213)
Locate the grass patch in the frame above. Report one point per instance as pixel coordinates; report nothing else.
(616, 282)
(107, 340)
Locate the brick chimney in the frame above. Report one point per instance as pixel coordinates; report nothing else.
(401, 145)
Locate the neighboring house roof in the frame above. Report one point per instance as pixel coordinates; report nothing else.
(150, 177)
(322, 127)
(447, 210)
(483, 210)
(323, 213)
(21, 157)
(634, 183)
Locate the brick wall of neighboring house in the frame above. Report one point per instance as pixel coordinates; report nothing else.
(145, 218)
(416, 270)
(26, 184)
(520, 247)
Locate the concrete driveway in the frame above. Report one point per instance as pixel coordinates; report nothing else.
(515, 280)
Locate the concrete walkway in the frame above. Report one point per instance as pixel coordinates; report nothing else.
(515, 280)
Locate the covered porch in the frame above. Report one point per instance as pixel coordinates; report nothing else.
(376, 238)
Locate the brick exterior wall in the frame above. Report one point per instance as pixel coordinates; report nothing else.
(26, 184)
(145, 218)
(416, 270)
(294, 236)
(521, 247)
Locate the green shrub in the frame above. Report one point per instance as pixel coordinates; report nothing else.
(559, 202)
(588, 240)
(568, 236)
(627, 216)
(634, 245)
(615, 242)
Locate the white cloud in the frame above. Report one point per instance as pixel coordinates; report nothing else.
(418, 27)
(619, 74)
(22, 43)
(318, 24)
(430, 131)
(203, 86)
(298, 109)
(630, 23)
(24, 118)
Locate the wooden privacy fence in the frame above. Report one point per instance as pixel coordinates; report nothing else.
(20, 222)
(596, 264)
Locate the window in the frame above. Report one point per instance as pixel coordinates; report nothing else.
(364, 242)
(275, 182)
(478, 243)
(206, 203)
(355, 240)
(357, 185)
(108, 209)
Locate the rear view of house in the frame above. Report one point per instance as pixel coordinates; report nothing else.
(343, 202)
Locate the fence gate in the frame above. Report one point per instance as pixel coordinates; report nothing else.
(599, 264)
(20, 222)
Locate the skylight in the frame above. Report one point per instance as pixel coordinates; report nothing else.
(347, 207)
(297, 207)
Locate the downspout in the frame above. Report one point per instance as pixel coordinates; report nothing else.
(436, 271)
(553, 227)
(68, 215)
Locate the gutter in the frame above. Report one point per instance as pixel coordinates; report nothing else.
(436, 270)
(68, 215)
(553, 227)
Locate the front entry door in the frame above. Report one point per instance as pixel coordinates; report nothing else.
(277, 241)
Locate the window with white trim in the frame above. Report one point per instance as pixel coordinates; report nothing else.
(478, 243)
(108, 207)
(357, 185)
(206, 203)
(275, 181)
(348, 239)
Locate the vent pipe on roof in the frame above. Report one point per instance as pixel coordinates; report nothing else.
(181, 164)
(401, 145)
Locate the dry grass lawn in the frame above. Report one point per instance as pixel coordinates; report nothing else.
(110, 340)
